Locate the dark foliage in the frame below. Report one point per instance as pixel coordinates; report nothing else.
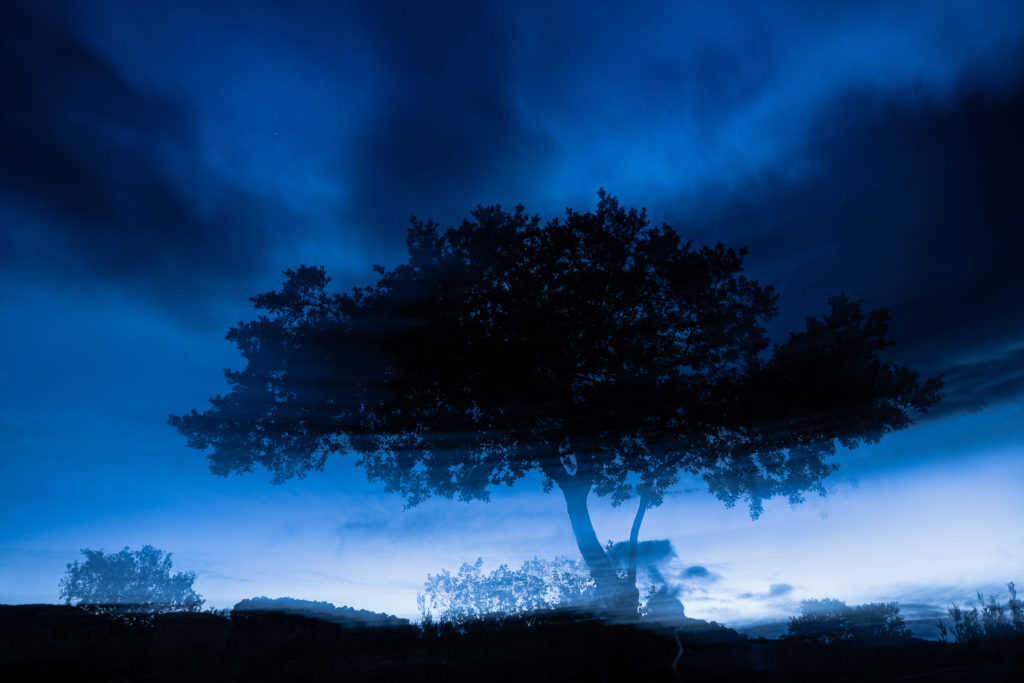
(502, 345)
(129, 582)
(47, 642)
(538, 585)
(607, 354)
(830, 621)
(990, 619)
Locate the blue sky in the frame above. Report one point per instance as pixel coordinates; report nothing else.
(162, 162)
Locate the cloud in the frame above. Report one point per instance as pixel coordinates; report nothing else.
(698, 573)
(695, 582)
(911, 203)
(220, 576)
(887, 173)
(370, 526)
(445, 130)
(985, 376)
(647, 552)
(431, 110)
(776, 591)
(102, 179)
(919, 611)
(484, 102)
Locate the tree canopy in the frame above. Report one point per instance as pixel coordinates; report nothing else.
(831, 621)
(129, 581)
(609, 354)
(538, 585)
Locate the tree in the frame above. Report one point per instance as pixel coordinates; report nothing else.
(130, 581)
(537, 585)
(606, 354)
(830, 621)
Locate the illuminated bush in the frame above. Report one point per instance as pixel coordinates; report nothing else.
(536, 586)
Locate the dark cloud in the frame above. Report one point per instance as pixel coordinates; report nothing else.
(102, 179)
(694, 581)
(648, 553)
(918, 610)
(905, 196)
(984, 376)
(711, 80)
(651, 557)
(483, 103)
(447, 129)
(697, 572)
(775, 591)
(912, 203)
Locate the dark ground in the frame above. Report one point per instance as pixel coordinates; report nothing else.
(52, 642)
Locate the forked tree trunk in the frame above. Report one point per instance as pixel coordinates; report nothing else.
(634, 538)
(619, 595)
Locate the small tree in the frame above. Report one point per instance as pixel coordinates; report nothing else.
(135, 582)
(606, 354)
(537, 585)
(830, 621)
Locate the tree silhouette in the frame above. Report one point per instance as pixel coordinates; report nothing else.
(831, 621)
(991, 621)
(138, 582)
(605, 353)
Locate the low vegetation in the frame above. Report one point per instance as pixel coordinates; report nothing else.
(538, 635)
(56, 642)
(990, 619)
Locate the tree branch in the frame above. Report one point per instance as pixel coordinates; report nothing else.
(634, 536)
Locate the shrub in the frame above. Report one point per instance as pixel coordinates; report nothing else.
(984, 620)
(536, 586)
(829, 621)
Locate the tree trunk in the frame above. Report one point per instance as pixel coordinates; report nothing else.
(620, 596)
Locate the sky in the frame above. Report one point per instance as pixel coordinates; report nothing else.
(162, 162)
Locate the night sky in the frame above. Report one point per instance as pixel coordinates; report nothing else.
(161, 162)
